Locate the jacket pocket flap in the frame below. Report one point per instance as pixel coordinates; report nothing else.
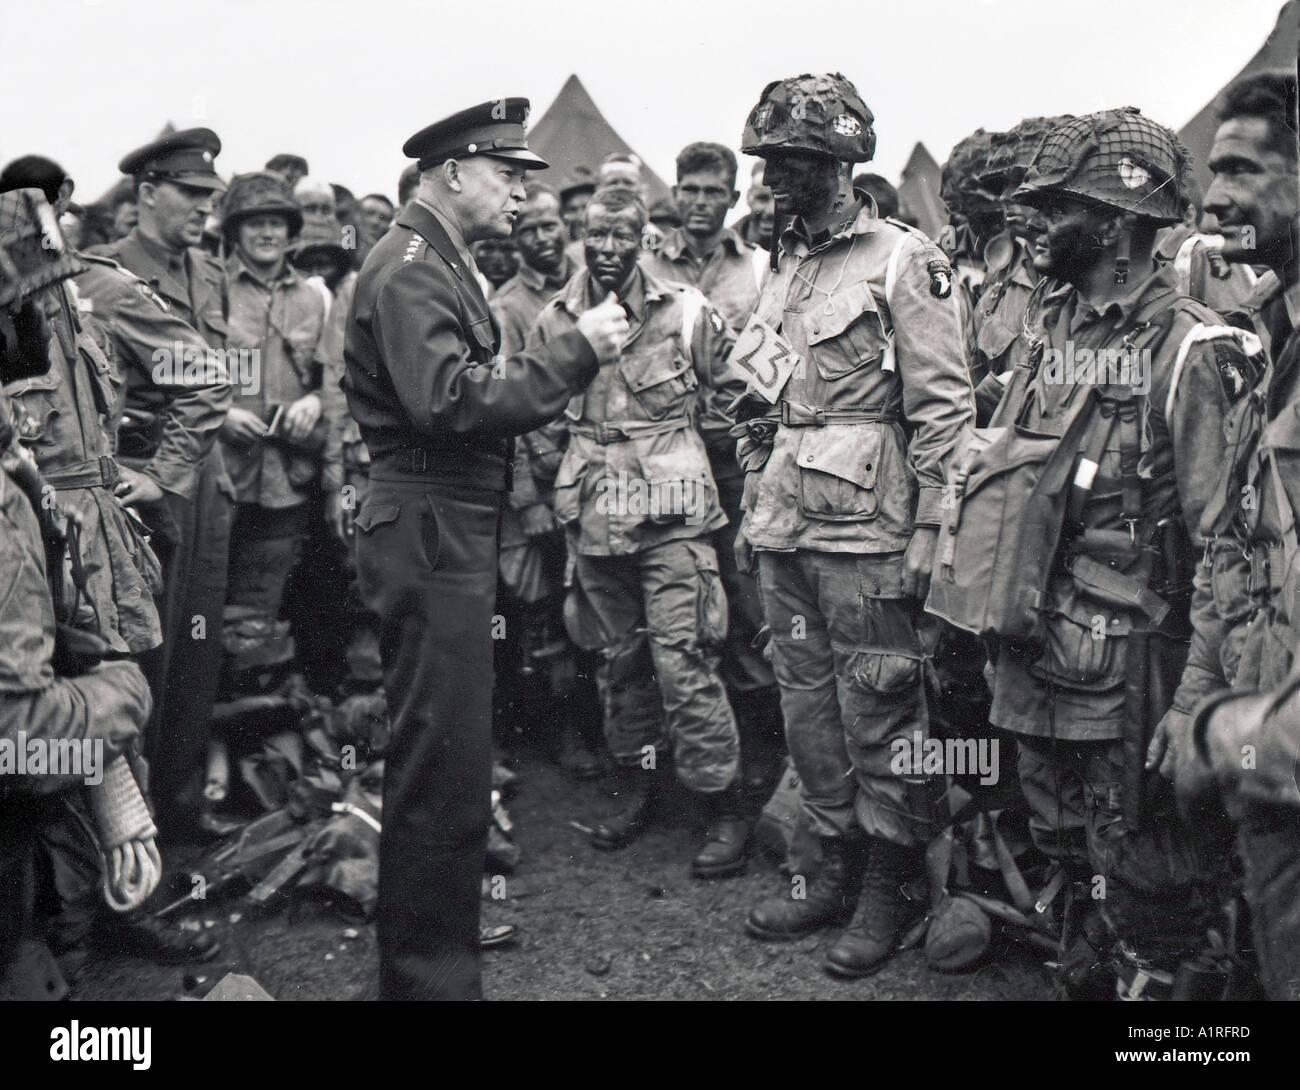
(482, 331)
(848, 451)
(664, 364)
(1283, 433)
(572, 468)
(376, 514)
(684, 462)
(995, 337)
(831, 318)
(47, 381)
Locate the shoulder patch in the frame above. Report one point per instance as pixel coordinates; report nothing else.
(1238, 370)
(940, 278)
(1237, 355)
(144, 289)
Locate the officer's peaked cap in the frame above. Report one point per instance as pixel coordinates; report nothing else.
(490, 128)
(184, 157)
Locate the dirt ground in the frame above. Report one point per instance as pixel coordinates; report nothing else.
(593, 925)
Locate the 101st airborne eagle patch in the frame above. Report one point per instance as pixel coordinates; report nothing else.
(940, 278)
(1239, 370)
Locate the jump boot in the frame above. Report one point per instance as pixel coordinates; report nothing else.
(726, 839)
(827, 901)
(883, 913)
(637, 790)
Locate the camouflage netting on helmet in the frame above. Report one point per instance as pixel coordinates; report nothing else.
(823, 114)
(1114, 157)
(959, 184)
(259, 193)
(1013, 151)
(33, 244)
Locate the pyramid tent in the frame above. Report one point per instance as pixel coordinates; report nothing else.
(1277, 52)
(918, 192)
(574, 133)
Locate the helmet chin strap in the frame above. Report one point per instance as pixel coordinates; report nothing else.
(1122, 248)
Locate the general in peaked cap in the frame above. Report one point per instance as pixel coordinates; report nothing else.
(490, 128)
(184, 157)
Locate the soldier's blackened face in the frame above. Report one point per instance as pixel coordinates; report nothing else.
(704, 197)
(802, 184)
(1065, 237)
(612, 244)
(1016, 217)
(761, 204)
(1253, 194)
(540, 234)
(497, 259)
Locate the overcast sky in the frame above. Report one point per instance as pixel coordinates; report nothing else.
(344, 82)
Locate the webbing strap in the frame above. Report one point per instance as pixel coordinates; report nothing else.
(1130, 444)
(619, 431)
(1121, 587)
(1286, 517)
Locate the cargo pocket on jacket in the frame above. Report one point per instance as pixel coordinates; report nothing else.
(883, 672)
(1086, 645)
(679, 486)
(660, 380)
(995, 334)
(710, 602)
(838, 466)
(567, 496)
(37, 407)
(847, 332)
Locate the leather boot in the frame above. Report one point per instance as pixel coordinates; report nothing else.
(141, 935)
(575, 760)
(828, 899)
(636, 799)
(726, 838)
(882, 915)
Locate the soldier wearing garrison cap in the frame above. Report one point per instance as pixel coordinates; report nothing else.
(177, 189)
(437, 407)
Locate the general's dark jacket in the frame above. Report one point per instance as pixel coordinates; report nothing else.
(421, 367)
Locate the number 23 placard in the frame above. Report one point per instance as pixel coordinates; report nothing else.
(765, 358)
